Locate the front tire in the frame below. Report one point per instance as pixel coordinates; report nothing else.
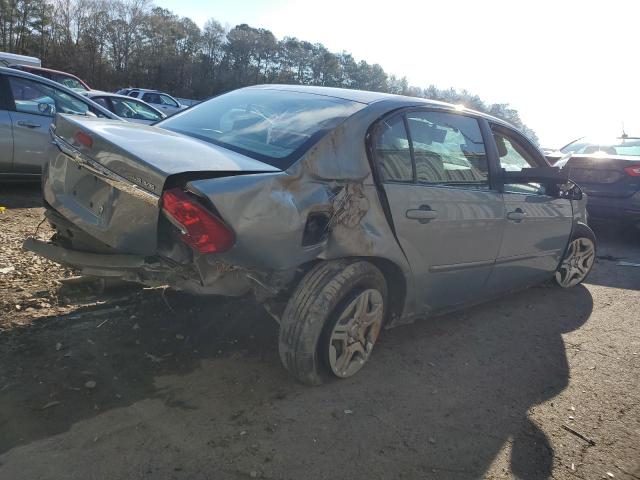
(578, 259)
(332, 321)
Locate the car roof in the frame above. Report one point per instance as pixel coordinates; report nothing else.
(43, 69)
(367, 97)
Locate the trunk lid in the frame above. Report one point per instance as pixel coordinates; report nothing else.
(106, 176)
(604, 176)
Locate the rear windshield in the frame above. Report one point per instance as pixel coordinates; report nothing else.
(274, 126)
(68, 82)
(620, 146)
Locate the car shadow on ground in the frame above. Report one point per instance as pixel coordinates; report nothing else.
(20, 194)
(440, 398)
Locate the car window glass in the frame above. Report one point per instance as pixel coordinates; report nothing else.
(132, 109)
(392, 151)
(69, 82)
(101, 101)
(448, 149)
(152, 98)
(168, 101)
(513, 158)
(40, 99)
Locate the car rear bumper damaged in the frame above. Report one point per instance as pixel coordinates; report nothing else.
(151, 271)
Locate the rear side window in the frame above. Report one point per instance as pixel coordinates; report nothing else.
(152, 98)
(448, 149)
(393, 152)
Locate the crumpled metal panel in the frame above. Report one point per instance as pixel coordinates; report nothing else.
(268, 212)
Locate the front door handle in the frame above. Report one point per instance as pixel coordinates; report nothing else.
(24, 123)
(422, 214)
(517, 215)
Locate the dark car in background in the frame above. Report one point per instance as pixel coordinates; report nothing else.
(608, 171)
(63, 78)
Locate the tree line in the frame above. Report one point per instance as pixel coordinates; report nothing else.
(118, 43)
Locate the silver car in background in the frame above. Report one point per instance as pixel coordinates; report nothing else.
(127, 108)
(160, 100)
(343, 212)
(28, 105)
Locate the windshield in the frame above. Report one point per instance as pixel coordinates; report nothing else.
(275, 126)
(619, 146)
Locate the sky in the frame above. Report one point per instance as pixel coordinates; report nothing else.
(569, 67)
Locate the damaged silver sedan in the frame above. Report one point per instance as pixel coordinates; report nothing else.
(343, 212)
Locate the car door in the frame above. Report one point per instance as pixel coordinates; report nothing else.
(6, 129)
(447, 216)
(34, 104)
(538, 223)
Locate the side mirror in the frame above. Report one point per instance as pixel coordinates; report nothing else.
(47, 109)
(570, 191)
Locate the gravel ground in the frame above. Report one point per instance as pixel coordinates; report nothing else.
(141, 383)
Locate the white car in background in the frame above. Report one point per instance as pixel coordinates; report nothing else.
(160, 100)
(127, 108)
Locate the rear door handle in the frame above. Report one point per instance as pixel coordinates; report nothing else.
(422, 214)
(516, 215)
(24, 123)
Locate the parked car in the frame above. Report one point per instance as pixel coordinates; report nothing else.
(7, 59)
(28, 105)
(130, 109)
(160, 100)
(63, 78)
(608, 170)
(342, 211)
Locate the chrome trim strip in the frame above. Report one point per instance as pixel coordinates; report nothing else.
(460, 266)
(106, 175)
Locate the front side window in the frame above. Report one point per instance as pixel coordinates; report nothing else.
(513, 158)
(448, 149)
(40, 99)
(392, 150)
(166, 100)
(275, 126)
(133, 109)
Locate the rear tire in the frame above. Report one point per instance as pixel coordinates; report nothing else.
(332, 320)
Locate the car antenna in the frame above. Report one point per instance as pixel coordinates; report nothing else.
(624, 134)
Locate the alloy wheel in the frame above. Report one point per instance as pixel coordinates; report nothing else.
(355, 333)
(577, 262)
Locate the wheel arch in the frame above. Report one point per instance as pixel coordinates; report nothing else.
(393, 274)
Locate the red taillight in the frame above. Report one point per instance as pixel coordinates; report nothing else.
(633, 170)
(200, 229)
(84, 139)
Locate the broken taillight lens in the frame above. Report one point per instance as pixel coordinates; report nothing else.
(633, 170)
(200, 228)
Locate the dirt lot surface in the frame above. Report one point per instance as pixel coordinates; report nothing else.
(141, 383)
